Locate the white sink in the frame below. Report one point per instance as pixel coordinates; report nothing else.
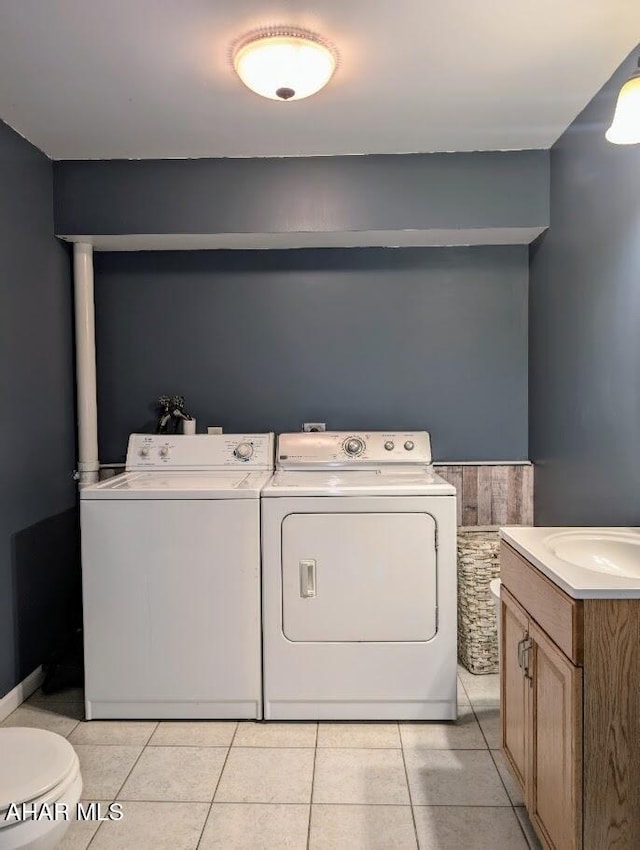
(615, 553)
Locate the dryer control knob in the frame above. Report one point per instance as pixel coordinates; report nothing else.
(389, 446)
(353, 446)
(164, 451)
(144, 451)
(409, 445)
(243, 451)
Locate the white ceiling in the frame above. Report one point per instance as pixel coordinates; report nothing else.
(135, 79)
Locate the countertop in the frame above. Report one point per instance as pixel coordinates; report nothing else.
(578, 582)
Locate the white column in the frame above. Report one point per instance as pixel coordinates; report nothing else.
(88, 464)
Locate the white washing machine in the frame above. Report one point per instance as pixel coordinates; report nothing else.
(359, 580)
(171, 579)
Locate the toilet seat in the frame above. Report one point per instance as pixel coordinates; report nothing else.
(36, 767)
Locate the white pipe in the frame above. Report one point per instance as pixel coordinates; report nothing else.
(88, 464)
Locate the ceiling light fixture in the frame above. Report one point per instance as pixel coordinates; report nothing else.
(625, 128)
(284, 64)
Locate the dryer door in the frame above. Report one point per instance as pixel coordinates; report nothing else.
(359, 577)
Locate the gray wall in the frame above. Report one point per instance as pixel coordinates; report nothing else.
(359, 338)
(344, 193)
(38, 525)
(584, 327)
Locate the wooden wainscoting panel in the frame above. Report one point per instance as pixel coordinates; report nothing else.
(612, 724)
(514, 495)
(470, 495)
(499, 494)
(527, 495)
(484, 495)
(492, 494)
(453, 474)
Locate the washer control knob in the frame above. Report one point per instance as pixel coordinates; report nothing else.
(354, 446)
(144, 451)
(389, 445)
(243, 451)
(409, 445)
(164, 451)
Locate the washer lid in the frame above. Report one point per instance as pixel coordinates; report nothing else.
(231, 484)
(32, 762)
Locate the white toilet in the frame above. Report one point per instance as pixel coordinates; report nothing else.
(38, 769)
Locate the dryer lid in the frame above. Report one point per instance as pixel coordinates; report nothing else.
(32, 762)
(385, 481)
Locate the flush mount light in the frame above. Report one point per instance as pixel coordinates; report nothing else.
(284, 64)
(625, 129)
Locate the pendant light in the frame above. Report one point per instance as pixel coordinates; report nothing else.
(284, 64)
(625, 128)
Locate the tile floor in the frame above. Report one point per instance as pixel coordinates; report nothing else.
(291, 786)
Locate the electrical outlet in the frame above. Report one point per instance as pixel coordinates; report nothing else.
(314, 426)
(214, 429)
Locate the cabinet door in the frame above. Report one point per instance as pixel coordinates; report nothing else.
(555, 766)
(514, 687)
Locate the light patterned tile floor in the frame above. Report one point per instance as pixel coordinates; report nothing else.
(294, 786)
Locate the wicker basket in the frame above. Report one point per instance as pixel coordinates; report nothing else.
(478, 564)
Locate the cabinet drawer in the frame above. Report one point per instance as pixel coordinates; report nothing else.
(557, 614)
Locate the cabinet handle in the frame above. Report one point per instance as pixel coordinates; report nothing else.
(521, 644)
(528, 645)
(307, 578)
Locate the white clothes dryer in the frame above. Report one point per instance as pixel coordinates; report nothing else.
(359, 580)
(171, 579)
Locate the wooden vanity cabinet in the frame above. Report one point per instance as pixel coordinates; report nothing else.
(570, 706)
(542, 727)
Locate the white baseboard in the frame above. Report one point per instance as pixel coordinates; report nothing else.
(21, 692)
